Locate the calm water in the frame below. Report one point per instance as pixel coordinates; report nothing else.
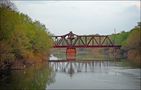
(94, 75)
(73, 75)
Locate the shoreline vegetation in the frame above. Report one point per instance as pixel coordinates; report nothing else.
(23, 42)
(131, 45)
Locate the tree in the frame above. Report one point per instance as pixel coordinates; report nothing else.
(20, 37)
(134, 39)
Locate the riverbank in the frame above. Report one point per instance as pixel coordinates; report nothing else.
(21, 66)
(128, 63)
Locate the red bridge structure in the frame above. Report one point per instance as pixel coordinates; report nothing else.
(72, 41)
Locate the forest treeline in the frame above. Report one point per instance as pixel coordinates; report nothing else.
(21, 38)
(131, 44)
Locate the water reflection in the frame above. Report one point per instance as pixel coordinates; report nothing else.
(99, 74)
(33, 78)
(72, 75)
(71, 67)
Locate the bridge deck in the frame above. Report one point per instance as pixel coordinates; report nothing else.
(89, 46)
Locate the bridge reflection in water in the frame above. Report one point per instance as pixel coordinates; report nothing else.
(80, 66)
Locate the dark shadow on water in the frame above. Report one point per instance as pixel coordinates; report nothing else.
(33, 78)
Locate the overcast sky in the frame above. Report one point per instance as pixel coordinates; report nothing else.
(83, 17)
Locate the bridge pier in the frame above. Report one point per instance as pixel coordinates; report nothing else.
(71, 53)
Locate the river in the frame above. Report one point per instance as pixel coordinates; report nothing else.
(96, 74)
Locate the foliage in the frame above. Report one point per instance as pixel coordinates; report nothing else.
(20, 37)
(131, 42)
(134, 46)
(134, 39)
(120, 38)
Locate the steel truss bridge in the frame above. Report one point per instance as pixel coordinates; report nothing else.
(72, 41)
(83, 41)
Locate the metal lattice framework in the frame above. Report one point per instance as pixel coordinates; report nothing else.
(83, 41)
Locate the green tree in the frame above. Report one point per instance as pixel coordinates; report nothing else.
(22, 38)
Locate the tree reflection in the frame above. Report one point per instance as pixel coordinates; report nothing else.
(33, 78)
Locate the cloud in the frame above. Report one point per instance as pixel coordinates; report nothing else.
(82, 17)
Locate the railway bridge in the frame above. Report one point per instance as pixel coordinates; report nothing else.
(72, 41)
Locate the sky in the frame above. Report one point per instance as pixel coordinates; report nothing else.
(83, 17)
